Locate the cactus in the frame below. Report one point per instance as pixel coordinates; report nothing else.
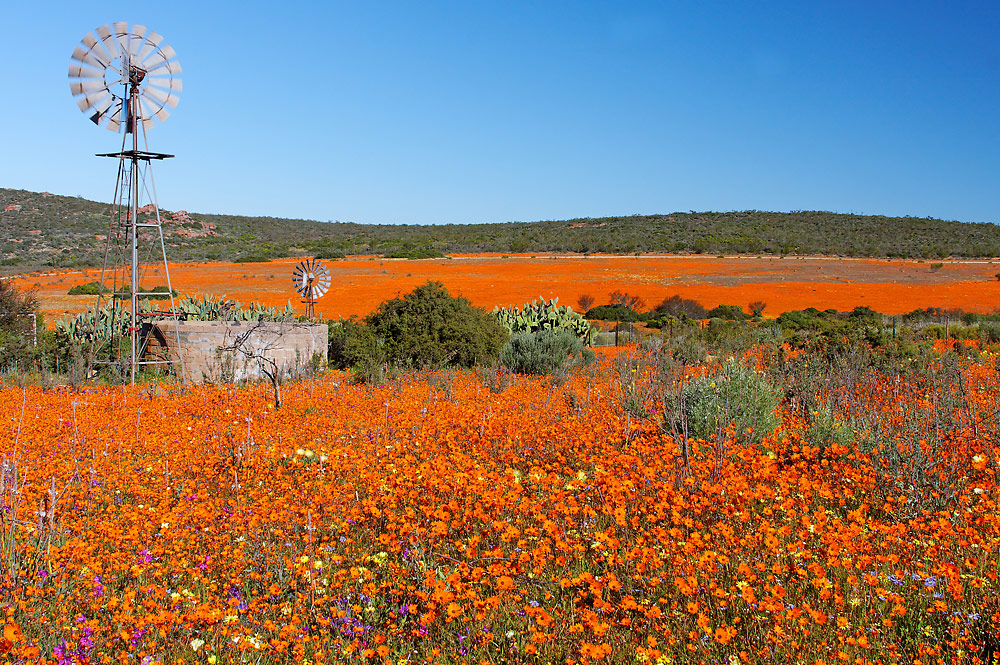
(113, 320)
(542, 315)
(221, 309)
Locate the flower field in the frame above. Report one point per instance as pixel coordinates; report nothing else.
(468, 516)
(361, 283)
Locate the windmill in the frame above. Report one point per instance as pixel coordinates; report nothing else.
(311, 279)
(125, 79)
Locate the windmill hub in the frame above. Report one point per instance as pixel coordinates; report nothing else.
(136, 74)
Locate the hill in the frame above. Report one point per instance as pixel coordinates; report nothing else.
(47, 230)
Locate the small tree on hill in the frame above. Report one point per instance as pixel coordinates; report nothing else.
(586, 301)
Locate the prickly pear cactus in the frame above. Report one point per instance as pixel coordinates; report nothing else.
(542, 315)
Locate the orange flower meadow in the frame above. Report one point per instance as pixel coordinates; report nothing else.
(436, 520)
(360, 284)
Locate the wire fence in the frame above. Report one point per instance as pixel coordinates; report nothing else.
(614, 338)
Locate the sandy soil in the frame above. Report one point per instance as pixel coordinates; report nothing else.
(360, 284)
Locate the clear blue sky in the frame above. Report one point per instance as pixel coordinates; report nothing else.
(428, 112)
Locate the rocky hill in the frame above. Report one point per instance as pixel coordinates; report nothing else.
(46, 230)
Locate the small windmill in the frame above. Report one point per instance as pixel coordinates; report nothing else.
(312, 280)
(125, 79)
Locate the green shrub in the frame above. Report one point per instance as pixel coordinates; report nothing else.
(418, 253)
(735, 395)
(88, 289)
(330, 254)
(727, 312)
(431, 327)
(544, 352)
(686, 349)
(989, 332)
(350, 342)
(613, 313)
(17, 329)
(826, 430)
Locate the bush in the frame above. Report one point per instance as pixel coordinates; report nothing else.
(429, 326)
(680, 308)
(418, 253)
(16, 327)
(330, 254)
(350, 342)
(544, 352)
(613, 313)
(88, 289)
(736, 395)
(728, 312)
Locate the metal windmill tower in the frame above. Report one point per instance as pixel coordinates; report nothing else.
(124, 78)
(311, 279)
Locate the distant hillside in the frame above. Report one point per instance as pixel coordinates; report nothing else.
(46, 230)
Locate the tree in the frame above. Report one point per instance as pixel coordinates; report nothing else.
(586, 301)
(430, 327)
(621, 298)
(16, 307)
(756, 308)
(18, 326)
(680, 308)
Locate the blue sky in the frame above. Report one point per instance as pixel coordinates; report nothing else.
(434, 112)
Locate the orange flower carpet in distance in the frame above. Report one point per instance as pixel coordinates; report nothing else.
(360, 284)
(440, 518)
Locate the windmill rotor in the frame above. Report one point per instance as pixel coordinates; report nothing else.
(311, 279)
(124, 76)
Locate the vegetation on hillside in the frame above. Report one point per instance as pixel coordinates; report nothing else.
(39, 230)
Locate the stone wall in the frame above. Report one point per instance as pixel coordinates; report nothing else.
(218, 351)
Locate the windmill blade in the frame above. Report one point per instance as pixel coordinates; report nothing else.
(136, 40)
(96, 48)
(169, 99)
(99, 102)
(149, 112)
(171, 67)
(172, 84)
(104, 116)
(104, 32)
(115, 119)
(156, 99)
(153, 40)
(81, 72)
(120, 29)
(81, 87)
(87, 57)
